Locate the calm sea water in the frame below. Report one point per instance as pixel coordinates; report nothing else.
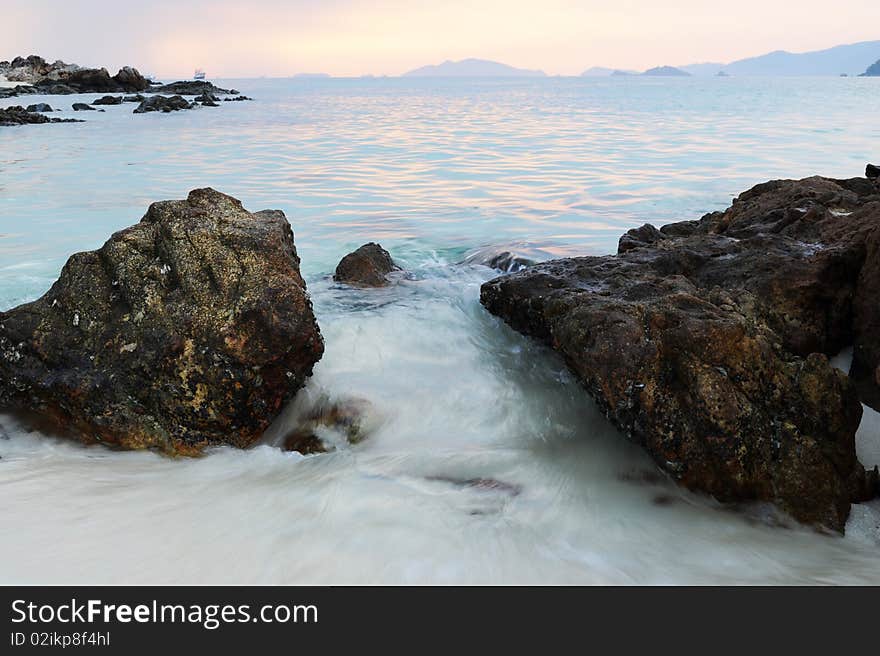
(434, 170)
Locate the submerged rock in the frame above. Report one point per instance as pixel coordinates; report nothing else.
(368, 266)
(706, 341)
(328, 424)
(189, 329)
(162, 104)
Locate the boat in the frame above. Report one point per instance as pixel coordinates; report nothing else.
(199, 74)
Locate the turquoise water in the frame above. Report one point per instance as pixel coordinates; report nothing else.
(434, 170)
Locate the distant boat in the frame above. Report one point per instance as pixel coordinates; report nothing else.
(199, 74)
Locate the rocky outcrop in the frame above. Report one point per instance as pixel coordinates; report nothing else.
(18, 115)
(189, 329)
(193, 88)
(163, 104)
(368, 266)
(39, 76)
(39, 107)
(706, 341)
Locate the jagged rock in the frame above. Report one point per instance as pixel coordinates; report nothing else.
(162, 104)
(40, 107)
(368, 266)
(189, 329)
(62, 78)
(706, 342)
(18, 115)
(108, 100)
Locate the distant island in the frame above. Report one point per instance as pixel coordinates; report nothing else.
(873, 70)
(666, 71)
(843, 60)
(472, 68)
(312, 76)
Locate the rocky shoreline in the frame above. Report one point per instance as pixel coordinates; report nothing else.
(39, 77)
(707, 342)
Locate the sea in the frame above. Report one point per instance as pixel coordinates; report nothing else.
(485, 461)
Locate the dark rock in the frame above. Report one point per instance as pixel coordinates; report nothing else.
(62, 78)
(342, 422)
(40, 107)
(709, 348)
(368, 266)
(129, 79)
(236, 98)
(209, 103)
(18, 115)
(108, 100)
(138, 98)
(499, 258)
(192, 88)
(189, 329)
(83, 107)
(205, 97)
(163, 104)
(872, 171)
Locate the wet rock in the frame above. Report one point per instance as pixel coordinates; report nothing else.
(18, 115)
(108, 100)
(82, 107)
(706, 342)
(872, 171)
(328, 424)
(500, 259)
(189, 329)
(163, 104)
(40, 107)
(137, 98)
(368, 266)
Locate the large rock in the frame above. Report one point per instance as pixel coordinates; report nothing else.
(61, 78)
(189, 329)
(706, 341)
(193, 88)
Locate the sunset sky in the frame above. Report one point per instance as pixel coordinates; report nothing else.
(356, 37)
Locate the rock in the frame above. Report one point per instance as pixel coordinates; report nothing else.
(499, 258)
(187, 330)
(18, 115)
(329, 424)
(108, 100)
(138, 98)
(706, 342)
(236, 98)
(872, 171)
(192, 88)
(83, 107)
(39, 107)
(162, 104)
(130, 79)
(368, 266)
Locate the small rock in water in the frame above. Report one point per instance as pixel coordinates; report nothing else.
(368, 266)
(163, 104)
(83, 107)
(480, 484)
(108, 100)
(348, 421)
(872, 171)
(138, 98)
(507, 259)
(40, 107)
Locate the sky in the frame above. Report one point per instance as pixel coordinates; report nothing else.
(169, 38)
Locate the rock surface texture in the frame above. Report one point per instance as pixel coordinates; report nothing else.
(706, 341)
(189, 329)
(368, 266)
(40, 76)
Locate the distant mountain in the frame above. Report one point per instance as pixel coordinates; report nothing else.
(312, 76)
(850, 59)
(666, 71)
(472, 68)
(601, 71)
(621, 73)
(708, 68)
(873, 70)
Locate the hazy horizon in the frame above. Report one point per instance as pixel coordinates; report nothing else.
(277, 38)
